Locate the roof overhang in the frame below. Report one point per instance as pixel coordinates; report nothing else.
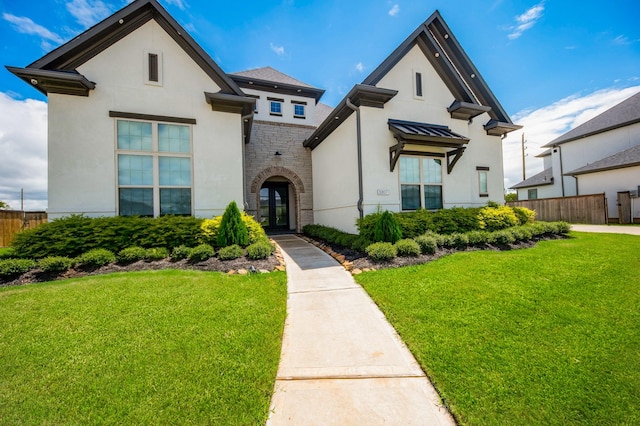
(466, 110)
(62, 82)
(234, 104)
(275, 87)
(500, 128)
(425, 135)
(360, 95)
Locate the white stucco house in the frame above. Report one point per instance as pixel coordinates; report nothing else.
(601, 155)
(143, 122)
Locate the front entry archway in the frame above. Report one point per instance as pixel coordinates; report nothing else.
(274, 206)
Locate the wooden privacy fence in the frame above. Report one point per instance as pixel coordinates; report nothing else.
(14, 221)
(591, 209)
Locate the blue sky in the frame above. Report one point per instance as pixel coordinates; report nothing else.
(552, 64)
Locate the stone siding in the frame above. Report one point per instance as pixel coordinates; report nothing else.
(294, 164)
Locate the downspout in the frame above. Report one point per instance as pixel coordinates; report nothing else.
(245, 203)
(359, 145)
(561, 171)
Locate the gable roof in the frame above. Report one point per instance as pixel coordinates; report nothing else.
(545, 153)
(545, 177)
(625, 113)
(63, 61)
(472, 94)
(627, 158)
(272, 80)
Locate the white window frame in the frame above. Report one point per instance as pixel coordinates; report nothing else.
(422, 183)
(483, 192)
(155, 153)
(273, 101)
(304, 109)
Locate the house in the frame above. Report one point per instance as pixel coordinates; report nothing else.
(143, 122)
(599, 156)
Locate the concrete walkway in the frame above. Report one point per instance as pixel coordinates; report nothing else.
(342, 363)
(610, 229)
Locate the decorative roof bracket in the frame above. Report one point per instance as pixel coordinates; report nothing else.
(453, 157)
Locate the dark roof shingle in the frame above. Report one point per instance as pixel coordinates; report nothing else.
(627, 158)
(545, 177)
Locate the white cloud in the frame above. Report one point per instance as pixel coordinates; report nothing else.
(178, 3)
(23, 143)
(622, 40)
(543, 125)
(88, 12)
(359, 67)
(278, 49)
(27, 26)
(526, 20)
(394, 10)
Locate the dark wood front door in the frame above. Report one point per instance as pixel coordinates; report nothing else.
(274, 206)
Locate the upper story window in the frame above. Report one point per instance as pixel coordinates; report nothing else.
(299, 109)
(418, 83)
(532, 194)
(420, 183)
(154, 168)
(275, 106)
(153, 68)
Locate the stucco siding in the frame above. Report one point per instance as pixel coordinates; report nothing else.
(82, 162)
(611, 182)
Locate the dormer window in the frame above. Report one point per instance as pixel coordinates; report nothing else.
(275, 106)
(299, 109)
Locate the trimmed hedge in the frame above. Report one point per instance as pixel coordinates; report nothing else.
(73, 235)
(55, 263)
(131, 254)
(382, 251)
(180, 252)
(95, 258)
(407, 248)
(201, 252)
(335, 236)
(156, 253)
(14, 267)
(231, 252)
(427, 243)
(259, 250)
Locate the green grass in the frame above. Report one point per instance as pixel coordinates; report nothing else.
(162, 347)
(547, 336)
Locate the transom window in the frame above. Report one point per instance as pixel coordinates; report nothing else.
(154, 168)
(420, 183)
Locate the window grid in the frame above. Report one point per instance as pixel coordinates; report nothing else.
(275, 107)
(420, 183)
(155, 178)
(298, 111)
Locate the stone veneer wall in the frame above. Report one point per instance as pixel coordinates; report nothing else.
(261, 163)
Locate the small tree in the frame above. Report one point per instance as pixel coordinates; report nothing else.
(4, 205)
(387, 229)
(232, 228)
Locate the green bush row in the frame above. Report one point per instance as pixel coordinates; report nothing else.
(493, 217)
(335, 236)
(74, 235)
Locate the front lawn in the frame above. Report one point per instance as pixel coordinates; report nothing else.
(156, 347)
(547, 335)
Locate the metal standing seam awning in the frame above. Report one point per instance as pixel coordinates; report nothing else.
(434, 135)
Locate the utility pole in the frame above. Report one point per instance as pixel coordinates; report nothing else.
(524, 173)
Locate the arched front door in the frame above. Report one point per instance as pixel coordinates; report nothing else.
(274, 206)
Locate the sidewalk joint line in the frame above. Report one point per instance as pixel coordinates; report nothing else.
(351, 377)
(324, 290)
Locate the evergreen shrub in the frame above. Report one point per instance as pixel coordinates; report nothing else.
(381, 251)
(13, 267)
(407, 247)
(525, 216)
(231, 252)
(427, 244)
(180, 252)
(387, 229)
(156, 253)
(95, 258)
(496, 218)
(55, 263)
(131, 254)
(232, 229)
(259, 250)
(201, 252)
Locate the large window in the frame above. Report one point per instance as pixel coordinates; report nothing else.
(421, 183)
(532, 194)
(154, 168)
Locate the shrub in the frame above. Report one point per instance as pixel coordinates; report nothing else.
(131, 254)
(478, 238)
(259, 250)
(156, 253)
(458, 240)
(387, 229)
(95, 258)
(456, 219)
(55, 263)
(210, 228)
(382, 251)
(331, 235)
(407, 247)
(521, 233)
(563, 227)
(232, 229)
(414, 223)
(231, 252)
(427, 244)
(360, 244)
(504, 236)
(7, 253)
(201, 252)
(13, 267)
(497, 218)
(76, 234)
(180, 252)
(524, 215)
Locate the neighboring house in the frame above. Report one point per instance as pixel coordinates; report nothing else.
(599, 156)
(143, 122)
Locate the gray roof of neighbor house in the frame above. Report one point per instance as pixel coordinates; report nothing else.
(545, 177)
(321, 113)
(271, 80)
(623, 114)
(544, 153)
(471, 93)
(627, 158)
(56, 71)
